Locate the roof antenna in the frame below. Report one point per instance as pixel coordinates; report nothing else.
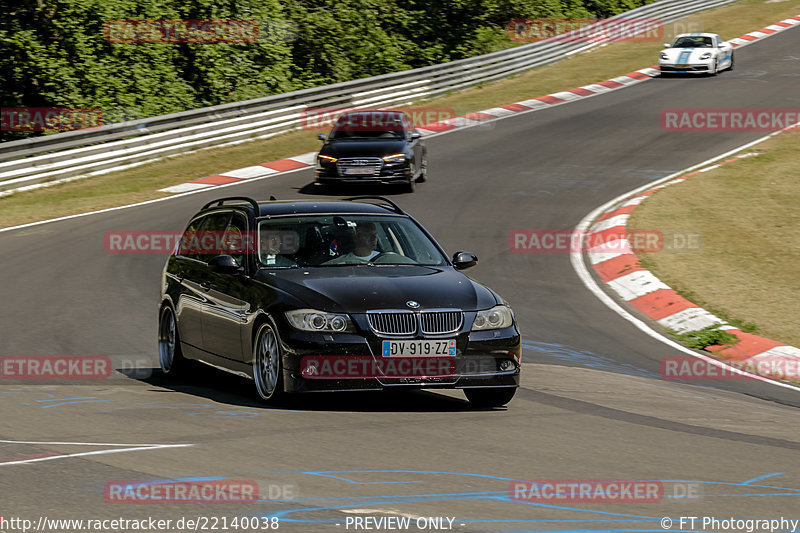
(271, 198)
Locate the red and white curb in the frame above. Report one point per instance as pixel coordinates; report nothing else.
(622, 272)
(471, 119)
(766, 31)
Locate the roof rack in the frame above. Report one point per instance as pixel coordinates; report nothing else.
(221, 201)
(396, 208)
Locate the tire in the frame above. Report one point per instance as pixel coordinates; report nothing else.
(498, 397)
(730, 67)
(716, 68)
(169, 346)
(267, 364)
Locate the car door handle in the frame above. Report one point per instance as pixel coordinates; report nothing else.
(206, 285)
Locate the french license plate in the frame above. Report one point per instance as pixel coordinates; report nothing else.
(359, 171)
(445, 347)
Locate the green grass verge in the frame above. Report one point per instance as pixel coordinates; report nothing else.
(747, 270)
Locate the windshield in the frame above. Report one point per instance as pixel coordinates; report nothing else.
(335, 240)
(372, 125)
(693, 42)
(340, 134)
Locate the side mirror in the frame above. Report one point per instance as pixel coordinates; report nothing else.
(224, 264)
(462, 260)
(416, 135)
(321, 137)
(667, 45)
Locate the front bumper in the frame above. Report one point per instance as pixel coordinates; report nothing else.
(477, 363)
(697, 68)
(386, 175)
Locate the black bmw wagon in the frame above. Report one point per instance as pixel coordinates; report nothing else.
(304, 296)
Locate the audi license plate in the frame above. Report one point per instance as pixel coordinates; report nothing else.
(445, 347)
(359, 171)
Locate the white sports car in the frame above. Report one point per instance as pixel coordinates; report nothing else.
(697, 53)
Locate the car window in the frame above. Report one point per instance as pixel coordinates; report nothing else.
(185, 247)
(234, 238)
(205, 237)
(373, 125)
(693, 42)
(335, 240)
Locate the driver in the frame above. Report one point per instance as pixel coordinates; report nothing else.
(272, 253)
(365, 240)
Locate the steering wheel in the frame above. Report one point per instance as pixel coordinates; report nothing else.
(393, 257)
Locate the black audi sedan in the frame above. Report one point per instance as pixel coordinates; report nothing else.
(304, 296)
(370, 147)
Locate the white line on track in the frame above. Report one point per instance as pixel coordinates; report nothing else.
(576, 258)
(127, 448)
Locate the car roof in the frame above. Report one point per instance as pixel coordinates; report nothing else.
(696, 35)
(370, 205)
(380, 112)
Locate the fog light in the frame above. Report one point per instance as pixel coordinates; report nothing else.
(506, 364)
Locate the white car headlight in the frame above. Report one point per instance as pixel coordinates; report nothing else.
(313, 320)
(707, 55)
(395, 158)
(498, 317)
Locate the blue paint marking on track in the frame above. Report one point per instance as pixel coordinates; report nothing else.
(585, 358)
(68, 403)
(765, 476)
(593, 516)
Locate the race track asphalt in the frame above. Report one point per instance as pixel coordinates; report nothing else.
(591, 406)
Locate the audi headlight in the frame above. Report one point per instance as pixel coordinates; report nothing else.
(395, 158)
(327, 159)
(707, 55)
(664, 56)
(313, 320)
(498, 317)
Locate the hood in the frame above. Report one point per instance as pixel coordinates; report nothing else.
(685, 55)
(357, 289)
(372, 148)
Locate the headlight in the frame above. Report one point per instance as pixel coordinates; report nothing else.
(664, 56)
(327, 159)
(707, 55)
(395, 158)
(498, 317)
(313, 320)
